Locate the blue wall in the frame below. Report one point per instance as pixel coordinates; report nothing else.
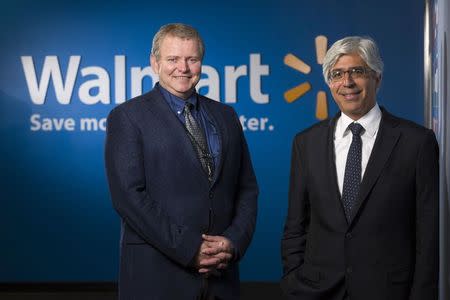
(56, 218)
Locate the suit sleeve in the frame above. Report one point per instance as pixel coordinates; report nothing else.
(124, 162)
(241, 230)
(426, 271)
(293, 242)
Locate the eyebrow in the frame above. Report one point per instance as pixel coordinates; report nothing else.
(187, 57)
(340, 69)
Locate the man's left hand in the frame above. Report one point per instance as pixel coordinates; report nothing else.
(217, 247)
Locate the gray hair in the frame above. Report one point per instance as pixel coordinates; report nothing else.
(179, 30)
(363, 46)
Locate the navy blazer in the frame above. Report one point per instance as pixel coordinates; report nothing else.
(389, 249)
(166, 202)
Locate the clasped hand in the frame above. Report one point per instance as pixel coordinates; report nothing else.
(214, 254)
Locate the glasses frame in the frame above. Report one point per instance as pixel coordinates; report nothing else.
(351, 73)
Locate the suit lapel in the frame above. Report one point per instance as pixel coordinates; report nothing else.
(161, 111)
(385, 142)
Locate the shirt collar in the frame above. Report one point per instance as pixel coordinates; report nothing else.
(177, 103)
(370, 122)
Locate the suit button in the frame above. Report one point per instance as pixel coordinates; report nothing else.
(211, 195)
(349, 235)
(349, 270)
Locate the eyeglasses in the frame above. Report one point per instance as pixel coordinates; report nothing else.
(355, 72)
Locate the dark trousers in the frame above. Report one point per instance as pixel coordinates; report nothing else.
(205, 292)
(346, 296)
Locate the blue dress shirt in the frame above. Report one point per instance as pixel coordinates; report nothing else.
(199, 113)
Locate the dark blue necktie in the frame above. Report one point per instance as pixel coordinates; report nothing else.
(352, 177)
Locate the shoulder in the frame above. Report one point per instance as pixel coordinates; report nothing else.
(406, 127)
(213, 104)
(413, 137)
(137, 104)
(315, 131)
(217, 108)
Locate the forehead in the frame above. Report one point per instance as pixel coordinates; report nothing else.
(348, 61)
(172, 45)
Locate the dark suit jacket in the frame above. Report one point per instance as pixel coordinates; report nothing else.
(166, 202)
(389, 250)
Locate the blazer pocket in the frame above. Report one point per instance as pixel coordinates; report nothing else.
(399, 286)
(133, 239)
(289, 282)
(136, 243)
(399, 276)
(310, 276)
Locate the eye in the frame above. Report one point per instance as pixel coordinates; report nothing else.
(336, 74)
(358, 71)
(193, 60)
(171, 59)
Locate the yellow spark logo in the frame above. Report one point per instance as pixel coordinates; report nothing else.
(296, 92)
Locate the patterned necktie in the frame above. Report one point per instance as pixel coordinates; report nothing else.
(198, 140)
(352, 177)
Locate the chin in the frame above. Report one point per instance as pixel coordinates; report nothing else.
(184, 87)
(183, 90)
(351, 107)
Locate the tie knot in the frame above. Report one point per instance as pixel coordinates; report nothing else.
(355, 128)
(188, 106)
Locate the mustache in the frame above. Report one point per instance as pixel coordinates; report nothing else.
(347, 92)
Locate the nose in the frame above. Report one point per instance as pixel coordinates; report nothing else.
(348, 79)
(183, 66)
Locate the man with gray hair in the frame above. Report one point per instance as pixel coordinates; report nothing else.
(362, 221)
(181, 180)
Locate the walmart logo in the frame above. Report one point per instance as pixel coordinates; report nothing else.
(297, 92)
(102, 85)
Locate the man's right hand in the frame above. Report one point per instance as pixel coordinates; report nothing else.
(205, 263)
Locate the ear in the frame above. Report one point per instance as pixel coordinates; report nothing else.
(154, 64)
(378, 81)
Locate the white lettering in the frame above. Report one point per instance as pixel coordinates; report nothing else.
(137, 75)
(88, 124)
(231, 76)
(256, 71)
(102, 124)
(211, 82)
(96, 88)
(119, 78)
(255, 124)
(51, 124)
(101, 83)
(51, 69)
(92, 124)
(35, 124)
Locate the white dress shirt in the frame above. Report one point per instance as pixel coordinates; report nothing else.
(343, 138)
